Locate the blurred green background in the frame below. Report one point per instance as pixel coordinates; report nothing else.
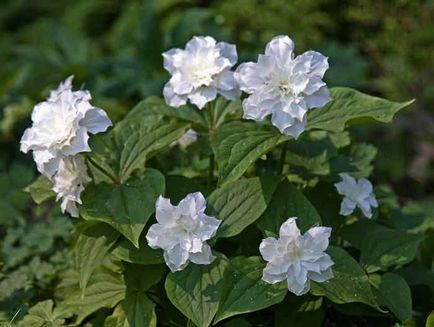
(114, 47)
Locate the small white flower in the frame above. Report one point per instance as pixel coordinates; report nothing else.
(200, 72)
(283, 86)
(297, 258)
(185, 140)
(356, 194)
(181, 231)
(69, 182)
(60, 127)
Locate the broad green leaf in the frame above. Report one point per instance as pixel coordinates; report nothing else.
(237, 145)
(144, 255)
(149, 127)
(245, 291)
(105, 289)
(92, 245)
(392, 291)
(137, 310)
(430, 320)
(225, 110)
(197, 290)
(240, 203)
(300, 311)
(288, 201)
(127, 207)
(415, 275)
(349, 284)
(41, 189)
(381, 247)
(140, 278)
(43, 314)
(347, 106)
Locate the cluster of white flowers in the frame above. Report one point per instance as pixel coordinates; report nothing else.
(59, 133)
(182, 231)
(279, 84)
(356, 194)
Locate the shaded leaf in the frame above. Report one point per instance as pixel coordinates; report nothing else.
(301, 311)
(41, 189)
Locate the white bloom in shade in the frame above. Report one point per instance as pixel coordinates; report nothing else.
(297, 258)
(61, 128)
(69, 182)
(185, 140)
(283, 85)
(181, 231)
(356, 194)
(200, 72)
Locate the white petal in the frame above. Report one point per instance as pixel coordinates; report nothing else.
(248, 77)
(180, 84)
(27, 140)
(287, 124)
(281, 47)
(268, 248)
(169, 57)
(322, 276)
(176, 258)
(96, 121)
(204, 257)
(347, 207)
(289, 228)
(192, 204)
(173, 99)
(317, 238)
(165, 212)
(202, 96)
(365, 186)
(207, 227)
(254, 110)
(199, 43)
(78, 143)
(225, 81)
(318, 99)
(271, 278)
(366, 209)
(229, 51)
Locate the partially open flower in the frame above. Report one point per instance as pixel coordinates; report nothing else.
(297, 258)
(69, 182)
(283, 85)
(356, 194)
(61, 126)
(200, 72)
(182, 231)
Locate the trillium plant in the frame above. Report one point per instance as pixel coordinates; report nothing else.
(238, 192)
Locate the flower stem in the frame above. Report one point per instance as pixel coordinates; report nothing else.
(283, 151)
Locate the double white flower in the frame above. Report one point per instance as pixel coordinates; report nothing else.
(200, 72)
(297, 258)
(59, 133)
(356, 194)
(283, 86)
(182, 231)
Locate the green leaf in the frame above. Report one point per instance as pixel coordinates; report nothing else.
(244, 291)
(381, 247)
(137, 310)
(349, 284)
(41, 189)
(140, 278)
(347, 106)
(93, 243)
(301, 311)
(240, 203)
(225, 110)
(149, 127)
(197, 290)
(288, 201)
(143, 255)
(43, 314)
(105, 289)
(392, 291)
(430, 320)
(127, 207)
(237, 145)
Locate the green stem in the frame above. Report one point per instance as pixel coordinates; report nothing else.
(284, 148)
(210, 109)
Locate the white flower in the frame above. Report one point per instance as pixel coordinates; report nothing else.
(200, 72)
(66, 85)
(181, 231)
(297, 258)
(283, 85)
(185, 140)
(69, 182)
(356, 194)
(60, 128)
